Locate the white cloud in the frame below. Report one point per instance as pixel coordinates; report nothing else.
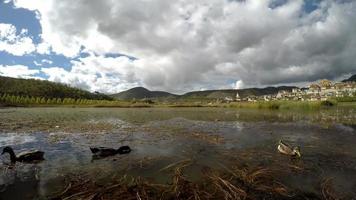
(17, 71)
(47, 61)
(97, 73)
(13, 43)
(43, 48)
(239, 84)
(37, 63)
(184, 45)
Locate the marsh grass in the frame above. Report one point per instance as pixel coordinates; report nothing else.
(327, 190)
(276, 105)
(231, 184)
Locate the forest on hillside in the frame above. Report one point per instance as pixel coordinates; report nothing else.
(33, 88)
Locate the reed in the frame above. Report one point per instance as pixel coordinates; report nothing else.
(236, 184)
(280, 105)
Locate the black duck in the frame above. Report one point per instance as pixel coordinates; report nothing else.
(28, 156)
(105, 151)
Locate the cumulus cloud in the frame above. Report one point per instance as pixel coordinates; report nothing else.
(97, 73)
(17, 71)
(184, 45)
(47, 61)
(239, 85)
(14, 43)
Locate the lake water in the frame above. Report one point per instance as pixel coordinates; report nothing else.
(206, 138)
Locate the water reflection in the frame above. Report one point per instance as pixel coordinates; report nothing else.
(208, 138)
(20, 181)
(15, 139)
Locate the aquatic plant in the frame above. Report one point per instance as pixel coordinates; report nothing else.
(239, 184)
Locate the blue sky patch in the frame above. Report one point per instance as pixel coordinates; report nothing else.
(308, 6)
(21, 19)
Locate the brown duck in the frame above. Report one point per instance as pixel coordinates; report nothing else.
(284, 148)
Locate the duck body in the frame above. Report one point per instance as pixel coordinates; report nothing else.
(28, 156)
(105, 151)
(284, 148)
(124, 150)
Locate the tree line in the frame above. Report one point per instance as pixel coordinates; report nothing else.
(14, 100)
(46, 89)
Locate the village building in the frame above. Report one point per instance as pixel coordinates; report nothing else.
(267, 97)
(314, 89)
(321, 91)
(238, 98)
(228, 99)
(252, 98)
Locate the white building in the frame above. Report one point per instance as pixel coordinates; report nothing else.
(238, 98)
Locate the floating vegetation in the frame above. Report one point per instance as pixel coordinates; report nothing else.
(213, 139)
(237, 184)
(327, 190)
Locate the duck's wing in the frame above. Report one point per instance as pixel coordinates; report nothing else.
(98, 149)
(103, 151)
(30, 156)
(94, 149)
(124, 150)
(284, 148)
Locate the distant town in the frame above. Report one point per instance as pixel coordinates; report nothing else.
(321, 91)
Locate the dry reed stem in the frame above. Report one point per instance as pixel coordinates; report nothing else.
(328, 191)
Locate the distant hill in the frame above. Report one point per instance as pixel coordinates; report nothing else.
(47, 89)
(351, 79)
(141, 93)
(213, 94)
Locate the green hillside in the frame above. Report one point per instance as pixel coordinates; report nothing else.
(45, 89)
(351, 79)
(142, 93)
(213, 94)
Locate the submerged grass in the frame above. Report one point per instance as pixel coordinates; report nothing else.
(230, 184)
(328, 191)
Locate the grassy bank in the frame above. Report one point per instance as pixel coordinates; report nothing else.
(25, 101)
(275, 105)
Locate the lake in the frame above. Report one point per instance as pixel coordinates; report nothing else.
(230, 151)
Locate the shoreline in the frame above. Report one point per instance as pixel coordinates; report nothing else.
(272, 105)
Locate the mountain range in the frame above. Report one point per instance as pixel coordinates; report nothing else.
(143, 93)
(47, 89)
(351, 79)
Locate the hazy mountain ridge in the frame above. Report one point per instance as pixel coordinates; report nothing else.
(351, 79)
(47, 89)
(142, 93)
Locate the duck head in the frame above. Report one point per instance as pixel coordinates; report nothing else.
(296, 151)
(11, 152)
(7, 150)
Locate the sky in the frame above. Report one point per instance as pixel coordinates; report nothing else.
(178, 46)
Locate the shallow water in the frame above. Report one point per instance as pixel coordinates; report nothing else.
(208, 137)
